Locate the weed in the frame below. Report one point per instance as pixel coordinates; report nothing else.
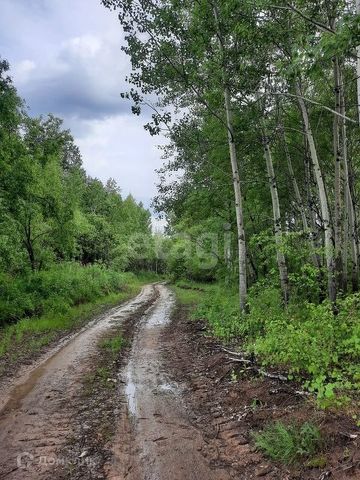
(113, 345)
(289, 443)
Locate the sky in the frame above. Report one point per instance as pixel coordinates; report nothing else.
(66, 58)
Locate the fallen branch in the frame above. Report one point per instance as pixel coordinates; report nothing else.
(235, 354)
(276, 376)
(239, 360)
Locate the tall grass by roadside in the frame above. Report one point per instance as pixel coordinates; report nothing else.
(289, 443)
(49, 303)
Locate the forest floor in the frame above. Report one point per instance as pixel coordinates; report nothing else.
(142, 393)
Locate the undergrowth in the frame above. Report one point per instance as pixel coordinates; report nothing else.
(315, 346)
(113, 345)
(66, 297)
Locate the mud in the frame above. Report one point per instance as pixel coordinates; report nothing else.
(174, 408)
(36, 408)
(155, 439)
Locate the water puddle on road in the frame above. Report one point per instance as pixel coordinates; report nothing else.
(143, 374)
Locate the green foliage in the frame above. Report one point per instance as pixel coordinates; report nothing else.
(313, 344)
(289, 443)
(55, 290)
(222, 313)
(67, 295)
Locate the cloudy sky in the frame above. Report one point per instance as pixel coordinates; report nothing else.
(65, 58)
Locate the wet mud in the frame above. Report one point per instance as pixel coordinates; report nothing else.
(36, 408)
(156, 439)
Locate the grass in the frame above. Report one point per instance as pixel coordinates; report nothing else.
(289, 444)
(314, 346)
(113, 345)
(29, 335)
(190, 293)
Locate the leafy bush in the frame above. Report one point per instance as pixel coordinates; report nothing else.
(288, 443)
(222, 313)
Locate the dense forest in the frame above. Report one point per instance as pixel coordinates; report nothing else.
(56, 220)
(260, 186)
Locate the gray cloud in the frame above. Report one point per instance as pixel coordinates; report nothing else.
(66, 59)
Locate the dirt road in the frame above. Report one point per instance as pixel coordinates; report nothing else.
(36, 407)
(154, 439)
(161, 443)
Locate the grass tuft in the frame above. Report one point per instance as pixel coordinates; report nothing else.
(113, 345)
(289, 443)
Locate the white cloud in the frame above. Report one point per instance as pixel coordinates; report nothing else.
(84, 47)
(118, 146)
(22, 70)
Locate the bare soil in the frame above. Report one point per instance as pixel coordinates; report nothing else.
(37, 407)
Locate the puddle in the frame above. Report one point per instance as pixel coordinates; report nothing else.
(143, 375)
(130, 391)
(156, 440)
(169, 387)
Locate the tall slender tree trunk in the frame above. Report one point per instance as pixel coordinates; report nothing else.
(298, 198)
(324, 206)
(284, 279)
(238, 203)
(358, 64)
(235, 174)
(338, 210)
(350, 234)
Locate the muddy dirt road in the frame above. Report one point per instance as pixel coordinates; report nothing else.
(154, 438)
(161, 443)
(36, 407)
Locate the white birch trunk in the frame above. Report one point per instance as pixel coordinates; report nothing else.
(324, 206)
(284, 280)
(235, 177)
(299, 201)
(338, 213)
(358, 65)
(238, 203)
(349, 220)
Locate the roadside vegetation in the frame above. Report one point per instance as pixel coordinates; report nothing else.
(60, 316)
(69, 244)
(289, 443)
(261, 181)
(324, 360)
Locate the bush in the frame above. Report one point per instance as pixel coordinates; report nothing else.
(308, 340)
(222, 313)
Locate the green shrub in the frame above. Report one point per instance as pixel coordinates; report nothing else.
(65, 295)
(55, 290)
(222, 313)
(288, 443)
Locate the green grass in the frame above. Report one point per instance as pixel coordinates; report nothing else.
(29, 335)
(289, 444)
(314, 346)
(190, 293)
(113, 345)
